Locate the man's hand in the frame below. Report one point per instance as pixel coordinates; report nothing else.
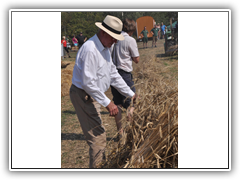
(135, 59)
(134, 98)
(112, 109)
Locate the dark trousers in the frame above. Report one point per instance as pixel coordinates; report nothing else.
(118, 98)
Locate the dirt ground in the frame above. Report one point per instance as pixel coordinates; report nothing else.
(73, 145)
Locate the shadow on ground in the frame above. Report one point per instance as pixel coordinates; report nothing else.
(74, 136)
(164, 55)
(74, 112)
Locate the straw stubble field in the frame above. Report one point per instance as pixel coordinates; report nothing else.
(151, 139)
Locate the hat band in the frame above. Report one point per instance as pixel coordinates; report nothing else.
(110, 29)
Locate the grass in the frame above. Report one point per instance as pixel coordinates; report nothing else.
(73, 56)
(166, 64)
(73, 145)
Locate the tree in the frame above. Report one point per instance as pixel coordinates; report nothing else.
(72, 23)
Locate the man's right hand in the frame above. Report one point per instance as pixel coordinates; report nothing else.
(112, 109)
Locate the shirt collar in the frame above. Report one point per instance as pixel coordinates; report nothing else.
(98, 43)
(124, 33)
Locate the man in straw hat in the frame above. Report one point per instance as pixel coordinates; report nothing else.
(93, 74)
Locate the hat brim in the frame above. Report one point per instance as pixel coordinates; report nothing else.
(114, 35)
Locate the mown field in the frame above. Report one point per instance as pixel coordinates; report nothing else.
(153, 64)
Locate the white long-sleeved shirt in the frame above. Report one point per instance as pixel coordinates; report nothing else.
(94, 72)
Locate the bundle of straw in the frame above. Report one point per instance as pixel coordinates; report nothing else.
(66, 77)
(150, 139)
(66, 81)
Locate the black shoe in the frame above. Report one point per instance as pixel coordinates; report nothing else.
(155, 46)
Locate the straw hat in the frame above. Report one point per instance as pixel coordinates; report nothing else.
(113, 26)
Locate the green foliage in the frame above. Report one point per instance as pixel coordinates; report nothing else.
(75, 22)
(72, 23)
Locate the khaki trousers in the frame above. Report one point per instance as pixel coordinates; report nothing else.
(88, 113)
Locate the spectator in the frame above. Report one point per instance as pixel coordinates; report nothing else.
(64, 42)
(159, 27)
(75, 41)
(124, 52)
(154, 32)
(163, 29)
(144, 34)
(81, 39)
(166, 30)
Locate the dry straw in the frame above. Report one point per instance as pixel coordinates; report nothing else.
(66, 77)
(150, 140)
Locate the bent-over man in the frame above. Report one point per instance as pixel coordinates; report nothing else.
(93, 74)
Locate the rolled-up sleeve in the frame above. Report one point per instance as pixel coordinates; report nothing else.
(89, 77)
(118, 83)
